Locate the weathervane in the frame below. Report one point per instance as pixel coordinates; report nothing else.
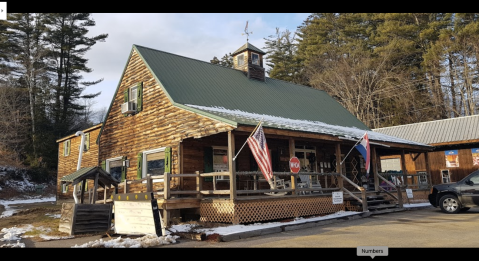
(246, 31)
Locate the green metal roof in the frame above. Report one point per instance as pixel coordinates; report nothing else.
(104, 178)
(192, 82)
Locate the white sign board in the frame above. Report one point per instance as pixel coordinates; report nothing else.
(409, 193)
(338, 197)
(134, 218)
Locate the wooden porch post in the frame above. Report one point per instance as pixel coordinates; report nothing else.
(180, 161)
(291, 154)
(339, 169)
(231, 166)
(428, 169)
(403, 167)
(374, 164)
(94, 196)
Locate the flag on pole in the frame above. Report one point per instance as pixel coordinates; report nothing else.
(259, 148)
(363, 148)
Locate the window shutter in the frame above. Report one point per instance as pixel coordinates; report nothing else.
(168, 159)
(103, 165)
(139, 98)
(123, 169)
(86, 186)
(87, 141)
(126, 98)
(66, 188)
(208, 162)
(139, 165)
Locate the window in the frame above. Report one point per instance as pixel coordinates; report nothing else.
(446, 177)
(220, 161)
(255, 58)
(240, 59)
(154, 162)
(114, 166)
(64, 188)
(86, 144)
(134, 95)
(422, 178)
(66, 147)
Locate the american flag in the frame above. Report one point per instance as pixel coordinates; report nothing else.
(259, 148)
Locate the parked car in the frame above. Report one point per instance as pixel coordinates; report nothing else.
(456, 196)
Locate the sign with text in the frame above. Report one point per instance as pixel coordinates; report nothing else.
(337, 197)
(137, 214)
(409, 193)
(294, 165)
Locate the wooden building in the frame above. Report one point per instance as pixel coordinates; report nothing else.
(68, 152)
(456, 148)
(178, 127)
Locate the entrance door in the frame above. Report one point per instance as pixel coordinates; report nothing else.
(307, 158)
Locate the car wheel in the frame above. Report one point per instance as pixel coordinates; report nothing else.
(450, 204)
(464, 209)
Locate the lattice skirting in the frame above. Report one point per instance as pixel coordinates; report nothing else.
(240, 212)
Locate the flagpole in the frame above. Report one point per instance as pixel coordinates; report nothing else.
(352, 148)
(248, 138)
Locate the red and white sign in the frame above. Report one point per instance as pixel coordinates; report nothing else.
(294, 165)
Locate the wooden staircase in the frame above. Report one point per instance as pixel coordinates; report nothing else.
(377, 204)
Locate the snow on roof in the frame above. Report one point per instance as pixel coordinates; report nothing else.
(301, 125)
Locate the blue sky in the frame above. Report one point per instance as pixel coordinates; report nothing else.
(195, 35)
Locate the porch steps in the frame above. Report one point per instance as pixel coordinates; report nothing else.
(375, 203)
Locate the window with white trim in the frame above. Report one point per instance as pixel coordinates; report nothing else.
(255, 58)
(133, 95)
(220, 161)
(66, 147)
(240, 59)
(153, 163)
(114, 167)
(446, 177)
(422, 178)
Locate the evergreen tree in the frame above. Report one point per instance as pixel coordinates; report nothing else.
(281, 57)
(66, 35)
(226, 61)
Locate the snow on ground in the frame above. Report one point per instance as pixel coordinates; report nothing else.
(15, 233)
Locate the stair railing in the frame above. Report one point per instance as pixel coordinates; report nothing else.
(398, 189)
(363, 199)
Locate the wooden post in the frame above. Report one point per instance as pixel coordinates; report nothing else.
(375, 163)
(166, 187)
(428, 169)
(125, 186)
(199, 184)
(231, 166)
(82, 192)
(95, 187)
(166, 196)
(293, 177)
(180, 161)
(403, 168)
(149, 183)
(339, 168)
(104, 195)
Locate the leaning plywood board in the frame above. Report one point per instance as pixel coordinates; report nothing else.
(137, 214)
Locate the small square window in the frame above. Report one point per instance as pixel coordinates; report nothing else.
(240, 59)
(255, 58)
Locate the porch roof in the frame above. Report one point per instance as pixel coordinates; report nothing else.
(104, 178)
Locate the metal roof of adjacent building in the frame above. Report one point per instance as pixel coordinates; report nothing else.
(439, 132)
